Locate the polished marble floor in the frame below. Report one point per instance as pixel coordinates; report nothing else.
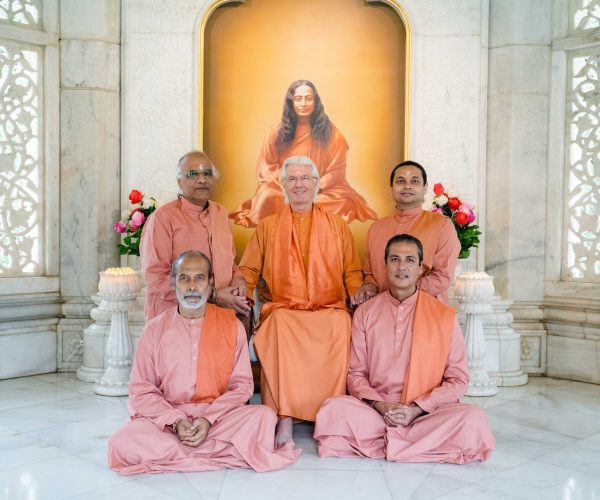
(53, 433)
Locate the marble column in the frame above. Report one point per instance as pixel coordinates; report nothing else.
(89, 158)
(519, 84)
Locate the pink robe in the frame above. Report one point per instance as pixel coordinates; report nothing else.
(438, 269)
(173, 229)
(162, 385)
(381, 340)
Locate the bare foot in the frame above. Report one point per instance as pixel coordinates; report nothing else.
(284, 431)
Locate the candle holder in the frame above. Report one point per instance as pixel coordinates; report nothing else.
(474, 292)
(117, 289)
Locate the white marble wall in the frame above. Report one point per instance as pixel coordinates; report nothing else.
(448, 98)
(90, 158)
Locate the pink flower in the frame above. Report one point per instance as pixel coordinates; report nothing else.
(137, 219)
(120, 227)
(467, 209)
(436, 210)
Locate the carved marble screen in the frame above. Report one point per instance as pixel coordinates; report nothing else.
(21, 175)
(583, 149)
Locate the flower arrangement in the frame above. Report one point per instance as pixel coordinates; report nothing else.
(461, 214)
(132, 222)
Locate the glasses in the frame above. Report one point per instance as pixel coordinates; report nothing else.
(305, 179)
(194, 174)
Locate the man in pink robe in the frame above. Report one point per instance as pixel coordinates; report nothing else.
(191, 222)
(182, 422)
(408, 183)
(408, 370)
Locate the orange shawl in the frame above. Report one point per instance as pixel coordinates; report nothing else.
(216, 350)
(319, 286)
(432, 332)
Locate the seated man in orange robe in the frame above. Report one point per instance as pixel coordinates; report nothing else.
(436, 232)
(191, 222)
(189, 386)
(308, 261)
(408, 370)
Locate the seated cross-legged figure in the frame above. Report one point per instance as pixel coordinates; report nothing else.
(408, 369)
(306, 256)
(189, 386)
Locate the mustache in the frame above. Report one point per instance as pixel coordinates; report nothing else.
(193, 294)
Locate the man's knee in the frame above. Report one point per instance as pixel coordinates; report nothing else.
(336, 406)
(259, 413)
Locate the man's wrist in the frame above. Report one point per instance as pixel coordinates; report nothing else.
(174, 426)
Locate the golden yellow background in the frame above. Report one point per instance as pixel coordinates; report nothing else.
(355, 54)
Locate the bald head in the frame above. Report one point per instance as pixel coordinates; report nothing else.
(199, 157)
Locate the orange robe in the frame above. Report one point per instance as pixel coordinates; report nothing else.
(440, 249)
(335, 194)
(310, 267)
(173, 229)
(384, 334)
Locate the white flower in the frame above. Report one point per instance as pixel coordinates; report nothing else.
(440, 200)
(126, 214)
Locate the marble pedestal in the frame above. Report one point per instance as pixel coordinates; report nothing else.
(95, 337)
(503, 344)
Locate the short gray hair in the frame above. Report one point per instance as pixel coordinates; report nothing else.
(299, 160)
(189, 253)
(199, 154)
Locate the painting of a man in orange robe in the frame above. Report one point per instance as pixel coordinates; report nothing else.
(304, 130)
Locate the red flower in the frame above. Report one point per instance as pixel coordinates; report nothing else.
(461, 217)
(438, 188)
(453, 203)
(135, 196)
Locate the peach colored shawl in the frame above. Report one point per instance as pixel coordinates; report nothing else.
(216, 351)
(321, 284)
(432, 332)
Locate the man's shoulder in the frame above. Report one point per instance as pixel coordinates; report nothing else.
(267, 222)
(215, 205)
(159, 321)
(435, 217)
(375, 304)
(167, 209)
(435, 302)
(384, 225)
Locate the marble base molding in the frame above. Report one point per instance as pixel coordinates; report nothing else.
(28, 337)
(573, 339)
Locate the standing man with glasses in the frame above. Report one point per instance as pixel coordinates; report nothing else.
(191, 222)
(307, 259)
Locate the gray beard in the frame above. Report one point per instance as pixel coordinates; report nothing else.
(188, 304)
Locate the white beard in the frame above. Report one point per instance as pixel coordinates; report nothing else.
(191, 304)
